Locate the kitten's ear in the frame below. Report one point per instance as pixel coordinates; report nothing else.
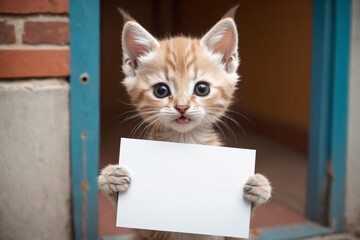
(136, 41)
(223, 38)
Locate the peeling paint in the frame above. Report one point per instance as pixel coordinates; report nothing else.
(84, 187)
(329, 171)
(325, 217)
(255, 232)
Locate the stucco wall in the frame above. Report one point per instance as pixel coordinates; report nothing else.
(35, 200)
(353, 157)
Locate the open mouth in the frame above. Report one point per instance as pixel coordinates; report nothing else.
(182, 119)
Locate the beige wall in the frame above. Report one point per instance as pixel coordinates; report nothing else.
(352, 209)
(275, 48)
(35, 188)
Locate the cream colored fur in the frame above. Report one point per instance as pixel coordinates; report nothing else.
(180, 63)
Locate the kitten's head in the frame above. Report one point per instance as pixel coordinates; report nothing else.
(181, 83)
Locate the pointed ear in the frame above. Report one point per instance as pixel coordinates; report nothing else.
(223, 38)
(136, 42)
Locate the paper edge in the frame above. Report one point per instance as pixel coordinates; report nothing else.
(145, 140)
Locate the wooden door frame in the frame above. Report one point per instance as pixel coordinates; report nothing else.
(329, 101)
(85, 115)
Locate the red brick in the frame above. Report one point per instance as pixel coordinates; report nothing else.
(46, 32)
(17, 63)
(7, 33)
(35, 6)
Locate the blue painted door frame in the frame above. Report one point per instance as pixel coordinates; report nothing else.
(84, 112)
(328, 126)
(327, 147)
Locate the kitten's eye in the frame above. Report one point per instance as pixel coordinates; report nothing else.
(202, 89)
(161, 91)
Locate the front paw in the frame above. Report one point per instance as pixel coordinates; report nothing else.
(114, 179)
(257, 189)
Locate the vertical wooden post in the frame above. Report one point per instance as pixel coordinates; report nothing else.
(328, 123)
(320, 110)
(84, 110)
(339, 123)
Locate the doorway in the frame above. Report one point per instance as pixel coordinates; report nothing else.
(271, 104)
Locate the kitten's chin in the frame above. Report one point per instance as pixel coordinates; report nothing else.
(183, 125)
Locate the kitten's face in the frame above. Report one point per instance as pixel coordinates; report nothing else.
(181, 83)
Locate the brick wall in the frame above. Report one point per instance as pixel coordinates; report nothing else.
(35, 120)
(34, 39)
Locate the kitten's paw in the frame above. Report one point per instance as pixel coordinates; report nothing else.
(114, 179)
(257, 189)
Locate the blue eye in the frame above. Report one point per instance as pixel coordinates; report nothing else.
(202, 89)
(161, 91)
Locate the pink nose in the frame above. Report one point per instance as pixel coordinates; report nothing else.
(182, 108)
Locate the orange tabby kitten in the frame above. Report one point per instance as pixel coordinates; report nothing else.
(181, 87)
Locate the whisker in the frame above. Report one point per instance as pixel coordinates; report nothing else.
(142, 123)
(148, 126)
(225, 125)
(129, 118)
(127, 104)
(216, 125)
(131, 123)
(127, 112)
(233, 120)
(232, 111)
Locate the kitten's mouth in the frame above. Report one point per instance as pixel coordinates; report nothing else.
(182, 119)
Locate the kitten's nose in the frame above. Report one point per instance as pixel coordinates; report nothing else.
(182, 108)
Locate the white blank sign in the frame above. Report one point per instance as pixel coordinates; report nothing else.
(185, 188)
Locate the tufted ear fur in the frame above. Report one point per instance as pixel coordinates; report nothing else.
(223, 39)
(136, 42)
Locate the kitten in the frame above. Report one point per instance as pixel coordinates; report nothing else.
(181, 87)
